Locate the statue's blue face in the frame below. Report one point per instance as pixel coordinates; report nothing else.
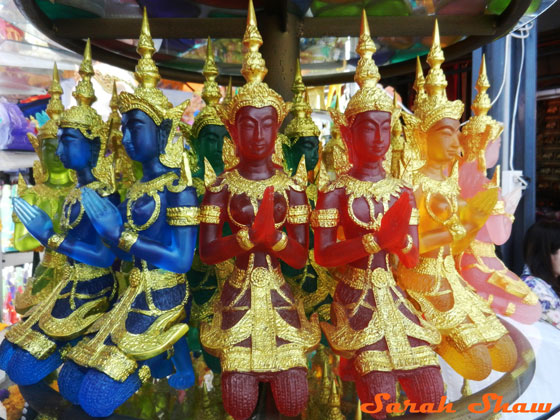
(74, 150)
(140, 135)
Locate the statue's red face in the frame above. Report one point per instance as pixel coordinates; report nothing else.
(371, 135)
(255, 132)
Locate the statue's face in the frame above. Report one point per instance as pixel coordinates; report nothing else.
(443, 141)
(74, 150)
(211, 141)
(309, 147)
(140, 135)
(371, 135)
(255, 132)
(50, 159)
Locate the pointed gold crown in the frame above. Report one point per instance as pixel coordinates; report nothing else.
(114, 117)
(418, 86)
(433, 105)
(369, 97)
(149, 99)
(255, 92)
(481, 128)
(210, 93)
(82, 116)
(302, 124)
(229, 93)
(54, 110)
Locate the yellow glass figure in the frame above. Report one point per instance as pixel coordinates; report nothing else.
(473, 339)
(52, 183)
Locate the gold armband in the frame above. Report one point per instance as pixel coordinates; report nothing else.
(127, 239)
(369, 243)
(298, 215)
(456, 229)
(55, 241)
(182, 216)
(414, 217)
(281, 244)
(210, 214)
(243, 240)
(326, 218)
(409, 243)
(499, 208)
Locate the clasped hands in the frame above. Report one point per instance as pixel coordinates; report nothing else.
(104, 216)
(393, 233)
(263, 232)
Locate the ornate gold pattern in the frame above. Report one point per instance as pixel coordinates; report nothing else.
(483, 327)
(281, 244)
(435, 106)
(182, 216)
(210, 93)
(325, 218)
(302, 124)
(409, 244)
(255, 92)
(243, 239)
(40, 344)
(55, 241)
(127, 239)
(262, 324)
(75, 196)
(414, 217)
(254, 189)
(298, 214)
(370, 244)
(54, 110)
(210, 214)
(149, 99)
(388, 322)
(120, 360)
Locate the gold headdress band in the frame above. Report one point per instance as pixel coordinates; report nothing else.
(302, 124)
(82, 116)
(149, 99)
(255, 92)
(210, 93)
(481, 128)
(433, 105)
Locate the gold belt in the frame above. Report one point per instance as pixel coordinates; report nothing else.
(83, 272)
(357, 278)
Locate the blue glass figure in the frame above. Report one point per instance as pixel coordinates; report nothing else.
(33, 348)
(156, 228)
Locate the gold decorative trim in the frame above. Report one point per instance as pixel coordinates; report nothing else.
(127, 239)
(325, 218)
(210, 214)
(183, 216)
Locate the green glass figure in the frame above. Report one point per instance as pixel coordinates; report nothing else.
(206, 141)
(313, 284)
(52, 183)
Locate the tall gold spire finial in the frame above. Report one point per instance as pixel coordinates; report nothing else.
(369, 97)
(419, 82)
(481, 128)
(254, 68)
(431, 104)
(210, 93)
(55, 107)
(150, 100)
(229, 93)
(255, 92)
(302, 124)
(54, 110)
(115, 117)
(84, 93)
(482, 104)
